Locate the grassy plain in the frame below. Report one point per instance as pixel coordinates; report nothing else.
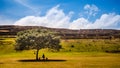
(74, 57)
(72, 60)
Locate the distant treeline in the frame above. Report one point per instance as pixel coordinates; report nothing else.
(65, 33)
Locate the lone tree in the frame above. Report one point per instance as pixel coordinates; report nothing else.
(37, 39)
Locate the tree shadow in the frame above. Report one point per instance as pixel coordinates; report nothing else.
(49, 60)
(1, 63)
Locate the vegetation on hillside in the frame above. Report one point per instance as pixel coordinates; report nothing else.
(7, 45)
(72, 45)
(65, 33)
(91, 45)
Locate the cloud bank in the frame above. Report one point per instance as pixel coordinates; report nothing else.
(56, 18)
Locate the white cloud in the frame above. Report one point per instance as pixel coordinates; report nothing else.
(91, 10)
(56, 18)
(80, 23)
(107, 21)
(91, 7)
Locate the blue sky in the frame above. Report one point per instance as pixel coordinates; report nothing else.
(72, 14)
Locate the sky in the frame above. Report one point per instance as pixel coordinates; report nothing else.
(70, 14)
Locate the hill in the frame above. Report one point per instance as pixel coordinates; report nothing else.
(65, 33)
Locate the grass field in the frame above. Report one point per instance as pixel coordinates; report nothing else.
(68, 57)
(71, 60)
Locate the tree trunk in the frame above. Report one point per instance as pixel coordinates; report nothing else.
(37, 52)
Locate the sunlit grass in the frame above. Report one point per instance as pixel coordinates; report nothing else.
(91, 45)
(73, 60)
(74, 57)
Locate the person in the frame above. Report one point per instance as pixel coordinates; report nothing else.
(46, 58)
(39, 58)
(43, 56)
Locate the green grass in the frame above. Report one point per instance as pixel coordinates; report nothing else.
(86, 53)
(73, 60)
(91, 45)
(7, 45)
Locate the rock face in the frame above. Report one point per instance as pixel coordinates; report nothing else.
(65, 33)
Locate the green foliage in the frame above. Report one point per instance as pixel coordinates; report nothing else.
(37, 39)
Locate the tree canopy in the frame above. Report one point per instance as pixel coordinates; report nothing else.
(37, 39)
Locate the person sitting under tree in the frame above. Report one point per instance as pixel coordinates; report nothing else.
(43, 56)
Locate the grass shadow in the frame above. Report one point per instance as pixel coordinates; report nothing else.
(49, 60)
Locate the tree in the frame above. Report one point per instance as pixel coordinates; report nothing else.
(37, 39)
